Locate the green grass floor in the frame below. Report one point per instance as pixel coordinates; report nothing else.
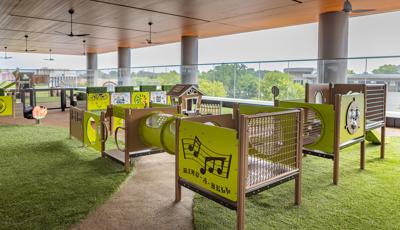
(368, 199)
(48, 181)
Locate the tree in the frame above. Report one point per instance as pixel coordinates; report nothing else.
(212, 88)
(387, 69)
(350, 71)
(230, 75)
(288, 89)
(170, 78)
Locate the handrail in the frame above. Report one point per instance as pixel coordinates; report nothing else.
(219, 63)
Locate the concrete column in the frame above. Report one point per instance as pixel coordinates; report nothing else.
(333, 44)
(124, 66)
(189, 59)
(91, 66)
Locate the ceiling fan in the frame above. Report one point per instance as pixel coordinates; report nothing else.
(84, 47)
(50, 58)
(149, 41)
(5, 54)
(71, 34)
(348, 8)
(26, 45)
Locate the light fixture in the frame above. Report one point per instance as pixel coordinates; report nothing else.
(50, 58)
(5, 54)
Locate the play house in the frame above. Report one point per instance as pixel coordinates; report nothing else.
(187, 96)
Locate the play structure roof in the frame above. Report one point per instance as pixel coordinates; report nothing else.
(180, 89)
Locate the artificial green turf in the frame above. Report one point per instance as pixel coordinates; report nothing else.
(48, 181)
(368, 199)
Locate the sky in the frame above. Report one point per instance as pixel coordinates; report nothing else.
(375, 35)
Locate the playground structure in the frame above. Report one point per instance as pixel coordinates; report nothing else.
(7, 104)
(32, 94)
(338, 116)
(146, 131)
(188, 97)
(143, 116)
(226, 158)
(375, 104)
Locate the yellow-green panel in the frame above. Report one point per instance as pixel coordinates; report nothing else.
(119, 110)
(6, 105)
(208, 158)
(97, 101)
(358, 99)
(92, 130)
(326, 115)
(141, 98)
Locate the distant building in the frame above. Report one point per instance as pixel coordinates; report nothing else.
(302, 75)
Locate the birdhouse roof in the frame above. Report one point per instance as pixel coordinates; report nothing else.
(180, 89)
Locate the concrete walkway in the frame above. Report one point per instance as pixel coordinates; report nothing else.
(145, 200)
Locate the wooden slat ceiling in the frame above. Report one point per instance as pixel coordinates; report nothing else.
(123, 23)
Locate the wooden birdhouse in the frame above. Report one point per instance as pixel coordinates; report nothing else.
(187, 96)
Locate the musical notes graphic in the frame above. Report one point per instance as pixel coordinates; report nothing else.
(209, 160)
(196, 145)
(211, 169)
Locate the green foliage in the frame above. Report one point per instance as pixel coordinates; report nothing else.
(242, 82)
(150, 78)
(287, 88)
(387, 69)
(350, 71)
(212, 88)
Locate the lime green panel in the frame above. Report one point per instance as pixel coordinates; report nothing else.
(151, 127)
(346, 101)
(6, 105)
(254, 109)
(119, 110)
(97, 101)
(326, 114)
(168, 136)
(100, 89)
(141, 98)
(118, 122)
(208, 158)
(372, 136)
(91, 130)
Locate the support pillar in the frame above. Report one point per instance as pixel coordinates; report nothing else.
(124, 66)
(333, 47)
(189, 59)
(91, 66)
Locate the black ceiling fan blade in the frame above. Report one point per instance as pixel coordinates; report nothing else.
(359, 11)
(80, 35)
(58, 32)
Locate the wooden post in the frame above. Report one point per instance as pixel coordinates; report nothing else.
(300, 120)
(242, 175)
(336, 139)
(383, 129)
(71, 112)
(103, 134)
(178, 188)
(383, 137)
(362, 155)
(127, 158)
